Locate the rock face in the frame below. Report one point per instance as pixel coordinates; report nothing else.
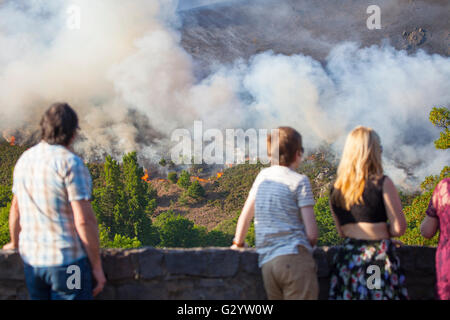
(213, 274)
(240, 29)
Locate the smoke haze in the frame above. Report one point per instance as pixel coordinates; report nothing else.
(132, 83)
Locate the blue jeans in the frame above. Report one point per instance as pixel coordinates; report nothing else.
(69, 282)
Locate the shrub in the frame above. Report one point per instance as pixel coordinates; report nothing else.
(228, 228)
(124, 242)
(5, 195)
(4, 225)
(172, 177)
(185, 180)
(177, 231)
(195, 190)
(328, 235)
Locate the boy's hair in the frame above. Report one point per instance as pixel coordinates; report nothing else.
(59, 124)
(289, 143)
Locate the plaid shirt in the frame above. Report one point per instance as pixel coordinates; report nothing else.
(46, 179)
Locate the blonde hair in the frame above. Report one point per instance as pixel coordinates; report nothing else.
(360, 160)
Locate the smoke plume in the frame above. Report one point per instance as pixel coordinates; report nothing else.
(132, 83)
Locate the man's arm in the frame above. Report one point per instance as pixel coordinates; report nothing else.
(14, 226)
(87, 229)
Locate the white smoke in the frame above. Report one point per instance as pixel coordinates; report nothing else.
(132, 84)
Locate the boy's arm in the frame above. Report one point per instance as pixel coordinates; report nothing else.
(309, 220)
(14, 226)
(244, 222)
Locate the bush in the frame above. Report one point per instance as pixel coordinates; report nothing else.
(4, 226)
(5, 195)
(177, 231)
(228, 228)
(328, 235)
(185, 180)
(195, 190)
(125, 242)
(119, 241)
(172, 177)
(216, 238)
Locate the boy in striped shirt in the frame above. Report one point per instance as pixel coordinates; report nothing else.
(282, 203)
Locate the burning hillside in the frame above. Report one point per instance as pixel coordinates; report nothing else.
(312, 65)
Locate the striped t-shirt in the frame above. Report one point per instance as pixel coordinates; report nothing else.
(46, 179)
(280, 193)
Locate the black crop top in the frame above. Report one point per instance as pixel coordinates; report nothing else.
(373, 209)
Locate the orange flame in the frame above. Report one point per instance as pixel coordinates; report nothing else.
(219, 175)
(12, 141)
(200, 179)
(145, 177)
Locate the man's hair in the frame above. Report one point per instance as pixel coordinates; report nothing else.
(59, 124)
(289, 143)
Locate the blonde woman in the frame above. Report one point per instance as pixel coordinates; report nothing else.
(362, 201)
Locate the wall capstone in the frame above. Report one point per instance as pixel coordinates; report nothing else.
(207, 273)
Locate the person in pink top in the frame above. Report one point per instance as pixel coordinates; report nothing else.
(438, 218)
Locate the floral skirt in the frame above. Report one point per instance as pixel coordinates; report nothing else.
(367, 270)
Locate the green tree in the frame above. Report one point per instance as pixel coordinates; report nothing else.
(110, 202)
(415, 213)
(440, 117)
(124, 205)
(185, 180)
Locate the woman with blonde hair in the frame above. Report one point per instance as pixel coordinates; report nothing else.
(362, 201)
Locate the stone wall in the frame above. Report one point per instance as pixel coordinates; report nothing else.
(213, 273)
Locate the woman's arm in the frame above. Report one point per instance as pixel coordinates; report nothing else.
(336, 222)
(397, 226)
(429, 227)
(244, 222)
